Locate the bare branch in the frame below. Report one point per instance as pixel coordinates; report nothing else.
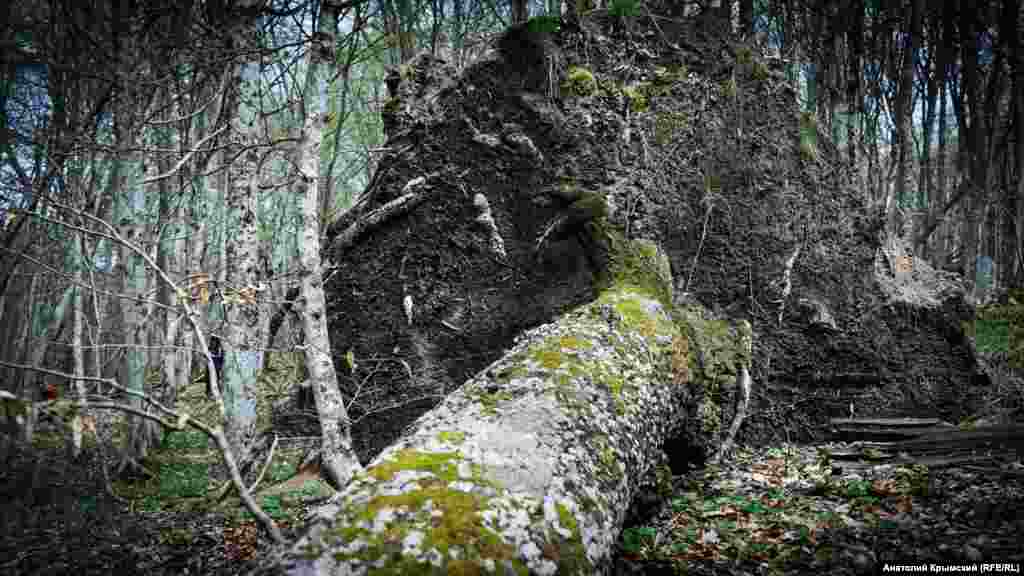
(185, 159)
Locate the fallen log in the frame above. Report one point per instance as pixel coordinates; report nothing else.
(882, 429)
(528, 468)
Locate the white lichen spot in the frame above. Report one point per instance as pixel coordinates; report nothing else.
(512, 521)
(463, 486)
(411, 543)
(382, 519)
(546, 568)
(530, 551)
(353, 547)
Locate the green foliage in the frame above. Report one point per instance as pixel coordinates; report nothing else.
(544, 24)
(391, 106)
(729, 88)
(665, 76)
(1000, 328)
(185, 440)
(807, 149)
(760, 71)
(857, 488)
(584, 6)
(808, 135)
(744, 56)
(636, 538)
(184, 480)
(712, 184)
(991, 335)
(280, 471)
(272, 506)
(622, 8)
(808, 122)
(915, 480)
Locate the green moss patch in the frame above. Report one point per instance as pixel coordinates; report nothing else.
(451, 437)
(637, 99)
(666, 124)
(580, 81)
(443, 465)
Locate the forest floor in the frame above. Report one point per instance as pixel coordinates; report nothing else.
(836, 508)
(779, 510)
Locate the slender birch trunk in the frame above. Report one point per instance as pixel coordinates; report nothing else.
(338, 457)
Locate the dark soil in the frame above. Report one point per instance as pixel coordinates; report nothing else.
(57, 519)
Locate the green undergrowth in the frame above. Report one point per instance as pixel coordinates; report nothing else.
(1000, 328)
(768, 521)
(185, 471)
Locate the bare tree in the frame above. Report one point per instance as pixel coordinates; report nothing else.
(520, 11)
(904, 109)
(338, 457)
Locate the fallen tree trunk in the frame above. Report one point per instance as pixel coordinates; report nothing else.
(528, 468)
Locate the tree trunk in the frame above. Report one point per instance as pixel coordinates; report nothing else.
(133, 279)
(242, 294)
(974, 148)
(77, 385)
(927, 201)
(243, 344)
(856, 79)
(531, 465)
(338, 458)
(1014, 17)
(904, 111)
(746, 18)
(939, 216)
(520, 11)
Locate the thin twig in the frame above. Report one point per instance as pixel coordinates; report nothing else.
(266, 465)
(703, 235)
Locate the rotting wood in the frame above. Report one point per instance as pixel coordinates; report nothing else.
(944, 448)
(885, 428)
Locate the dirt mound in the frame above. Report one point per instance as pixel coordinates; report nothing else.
(694, 141)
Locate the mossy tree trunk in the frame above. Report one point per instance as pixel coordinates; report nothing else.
(529, 467)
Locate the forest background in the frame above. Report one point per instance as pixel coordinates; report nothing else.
(167, 171)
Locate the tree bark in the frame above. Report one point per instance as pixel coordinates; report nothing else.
(1014, 17)
(520, 11)
(934, 72)
(243, 352)
(971, 147)
(531, 465)
(904, 112)
(133, 281)
(337, 455)
(746, 18)
(941, 249)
